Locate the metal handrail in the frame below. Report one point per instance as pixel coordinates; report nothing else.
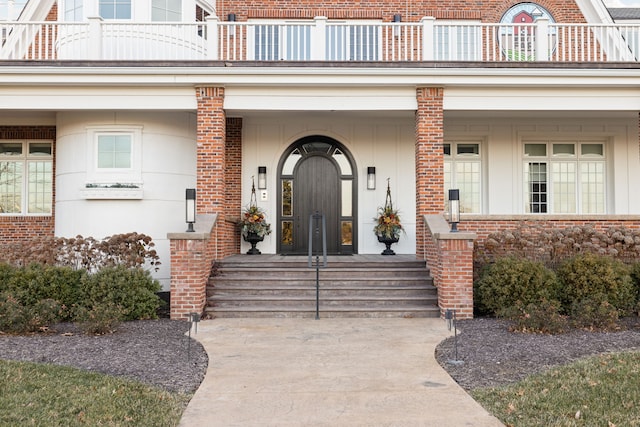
(317, 226)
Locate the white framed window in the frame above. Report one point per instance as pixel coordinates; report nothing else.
(115, 9)
(274, 41)
(458, 41)
(166, 10)
(564, 177)
(26, 177)
(114, 155)
(463, 170)
(73, 10)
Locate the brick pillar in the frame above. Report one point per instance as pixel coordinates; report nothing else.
(455, 287)
(188, 286)
(211, 160)
(429, 159)
(233, 175)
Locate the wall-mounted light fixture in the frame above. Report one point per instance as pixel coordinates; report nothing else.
(454, 209)
(190, 208)
(397, 18)
(262, 177)
(232, 28)
(371, 178)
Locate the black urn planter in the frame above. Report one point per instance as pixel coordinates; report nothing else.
(388, 241)
(253, 238)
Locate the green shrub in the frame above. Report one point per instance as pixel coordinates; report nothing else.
(16, 317)
(133, 290)
(635, 277)
(589, 275)
(594, 313)
(513, 282)
(99, 319)
(541, 317)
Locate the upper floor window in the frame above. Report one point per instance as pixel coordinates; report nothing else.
(114, 155)
(166, 10)
(564, 177)
(115, 9)
(462, 170)
(457, 40)
(26, 177)
(291, 41)
(73, 10)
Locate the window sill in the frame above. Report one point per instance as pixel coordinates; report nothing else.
(111, 193)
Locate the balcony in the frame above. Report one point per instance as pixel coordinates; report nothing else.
(320, 40)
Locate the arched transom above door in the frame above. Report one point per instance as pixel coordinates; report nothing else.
(317, 175)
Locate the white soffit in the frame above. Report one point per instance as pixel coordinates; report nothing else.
(97, 98)
(320, 99)
(542, 99)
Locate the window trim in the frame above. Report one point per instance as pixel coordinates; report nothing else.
(25, 158)
(109, 177)
(578, 159)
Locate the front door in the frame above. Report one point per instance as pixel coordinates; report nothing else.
(316, 175)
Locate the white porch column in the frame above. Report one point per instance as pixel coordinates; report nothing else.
(428, 33)
(94, 47)
(318, 38)
(542, 39)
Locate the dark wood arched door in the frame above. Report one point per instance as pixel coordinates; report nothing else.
(316, 174)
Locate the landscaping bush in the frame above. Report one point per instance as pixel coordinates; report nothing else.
(134, 291)
(588, 275)
(16, 317)
(635, 277)
(594, 313)
(99, 319)
(539, 317)
(511, 282)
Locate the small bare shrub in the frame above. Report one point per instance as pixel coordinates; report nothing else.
(100, 318)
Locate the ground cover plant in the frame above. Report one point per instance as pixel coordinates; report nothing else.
(599, 391)
(42, 394)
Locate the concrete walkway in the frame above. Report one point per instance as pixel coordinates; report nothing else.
(328, 372)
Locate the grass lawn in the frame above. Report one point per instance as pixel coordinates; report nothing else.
(39, 395)
(603, 390)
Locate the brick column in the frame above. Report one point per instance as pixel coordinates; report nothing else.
(429, 159)
(233, 174)
(211, 161)
(188, 287)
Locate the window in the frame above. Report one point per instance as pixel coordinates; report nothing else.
(26, 177)
(458, 42)
(115, 9)
(115, 155)
(166, 10)
(73, 10)
(462, 170)
(282, 42)
(564, 177)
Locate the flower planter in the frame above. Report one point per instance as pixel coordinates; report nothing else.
(388, 241)
(253, 238)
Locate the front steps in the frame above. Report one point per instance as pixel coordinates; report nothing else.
(350, 286)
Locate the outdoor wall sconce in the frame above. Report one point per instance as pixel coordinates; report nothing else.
(191, 209)
(262, 177)
(232, 28)
(231, 17)
(397, 18)
(454, 209)
(371, 178)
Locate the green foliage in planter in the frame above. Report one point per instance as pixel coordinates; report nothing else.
(588, 275)
(513, 282)
(540, 317)
(133, 290)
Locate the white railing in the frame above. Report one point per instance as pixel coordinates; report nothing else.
(320, 40)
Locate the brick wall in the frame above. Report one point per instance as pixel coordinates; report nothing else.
(233, 177)
(487, 11)
(17, 227)
(429, 159)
